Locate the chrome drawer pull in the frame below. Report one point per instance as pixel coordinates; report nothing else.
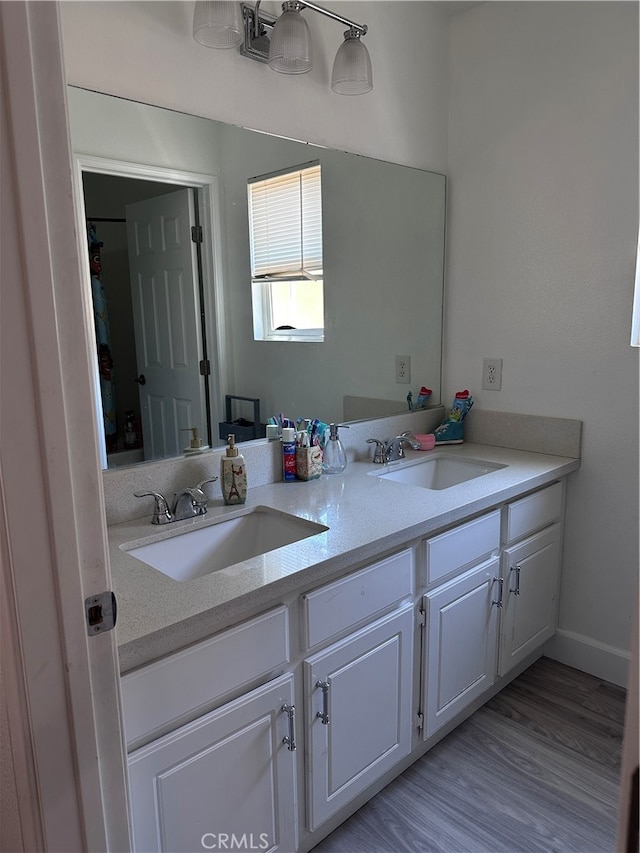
(516, 569)
(324, 714)
(290, 739)
(500, 582)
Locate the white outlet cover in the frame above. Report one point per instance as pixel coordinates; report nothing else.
(491, 374)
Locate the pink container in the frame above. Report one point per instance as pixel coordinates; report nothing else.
(427, 442)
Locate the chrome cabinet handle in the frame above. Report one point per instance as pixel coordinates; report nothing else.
(290, 739)
(516, 569)
(324, 714)
(500, 582)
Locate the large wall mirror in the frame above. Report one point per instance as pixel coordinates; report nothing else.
(383, 231)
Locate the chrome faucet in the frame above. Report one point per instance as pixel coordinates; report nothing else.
(393, 449)
(188, 503)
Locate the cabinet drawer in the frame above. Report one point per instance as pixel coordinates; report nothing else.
(533, 512)
(340, 605)
(169, 689)
(464, 545)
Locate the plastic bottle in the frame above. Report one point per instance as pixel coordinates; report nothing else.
(233, 475)
(288, 454)
(335, 458)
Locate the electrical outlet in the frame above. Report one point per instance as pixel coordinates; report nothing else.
(491, 374)
(403, 369)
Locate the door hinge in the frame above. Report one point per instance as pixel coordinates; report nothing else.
(205, 367)
(196, 233)
(101, 612)
(422, 618)
(420, 720)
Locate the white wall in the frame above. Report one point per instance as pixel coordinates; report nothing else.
(543, 218)
(145, 51)
(542, 155)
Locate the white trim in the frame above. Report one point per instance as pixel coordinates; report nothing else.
(28, 821)
(53, 525)
(212, 265)
(635, 314)
(599, 659)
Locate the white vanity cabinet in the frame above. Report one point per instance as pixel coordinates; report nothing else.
(358, 689)
(487, 610)
(335, 671)
(358, 694)
(229, 772)
(531, 573)
(228, 775)
(460, 643)
(461, 615)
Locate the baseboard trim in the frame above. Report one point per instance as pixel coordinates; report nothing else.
(599, 659)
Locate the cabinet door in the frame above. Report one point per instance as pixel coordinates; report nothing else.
(359, 711)
(461, 640)
(531, 572)
(227, 778)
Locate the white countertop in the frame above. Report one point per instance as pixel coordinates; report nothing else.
(366, 516)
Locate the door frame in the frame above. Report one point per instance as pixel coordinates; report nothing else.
(208, 191)
(60, 687)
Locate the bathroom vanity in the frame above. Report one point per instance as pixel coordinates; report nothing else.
(270, 698)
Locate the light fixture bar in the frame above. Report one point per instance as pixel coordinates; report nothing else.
(363, 29)
(258, 26)
(285, 43)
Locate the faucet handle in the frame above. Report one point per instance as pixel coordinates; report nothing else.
(379, 453)
(161, 514)
(204, 482)
(399, 441)
(200, 497)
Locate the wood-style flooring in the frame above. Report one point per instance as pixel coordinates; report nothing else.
(535, 769)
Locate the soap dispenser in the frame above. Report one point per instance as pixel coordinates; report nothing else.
(335, 458)
(195, 445)
(233, 474)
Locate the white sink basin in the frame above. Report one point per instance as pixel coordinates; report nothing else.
(438, 472)
(224, 543)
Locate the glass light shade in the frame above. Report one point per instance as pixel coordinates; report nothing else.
(352, 73)
(218, 23)
(290, 47)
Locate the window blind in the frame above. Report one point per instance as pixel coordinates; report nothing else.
(285, 222)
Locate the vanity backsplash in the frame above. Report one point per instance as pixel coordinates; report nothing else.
(263, 461)
(556, 436)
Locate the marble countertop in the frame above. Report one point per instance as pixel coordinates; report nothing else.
(366, 517)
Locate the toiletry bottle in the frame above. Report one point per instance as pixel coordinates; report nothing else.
(288, 454)
(195, 444)
(130, 430)
(335, 458)
(233, 474)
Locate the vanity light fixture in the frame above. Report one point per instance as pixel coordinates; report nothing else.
(218, 23)
(284, 42)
